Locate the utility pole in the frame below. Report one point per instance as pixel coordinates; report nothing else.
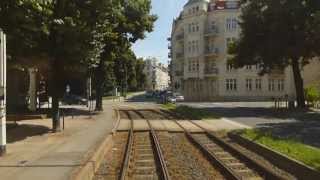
(3, 77)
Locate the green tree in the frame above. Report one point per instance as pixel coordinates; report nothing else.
(59, 32)
(277, 34)
(140, 75)
(130, 20)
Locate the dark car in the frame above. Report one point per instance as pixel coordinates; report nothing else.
(72, 99)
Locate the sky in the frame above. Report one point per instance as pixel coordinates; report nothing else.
(155, 44)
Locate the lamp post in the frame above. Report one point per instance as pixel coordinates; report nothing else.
(3, 76)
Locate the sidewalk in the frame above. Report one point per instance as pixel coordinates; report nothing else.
(33, 153)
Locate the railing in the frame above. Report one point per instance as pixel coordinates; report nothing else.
(180, 55)
(213, 51)
(211, 71)
(211, 32)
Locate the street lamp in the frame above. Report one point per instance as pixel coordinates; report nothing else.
(3, 81)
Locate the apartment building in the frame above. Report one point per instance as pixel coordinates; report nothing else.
(199, 66)
(157, 75)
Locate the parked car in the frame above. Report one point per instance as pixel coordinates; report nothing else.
(149, 94)
(171, 99)
(179, 97)
(72, 99)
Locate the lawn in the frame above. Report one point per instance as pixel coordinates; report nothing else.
(110, 97)
(191, 113)
(290, 147)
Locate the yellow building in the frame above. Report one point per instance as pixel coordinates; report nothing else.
(199, 68)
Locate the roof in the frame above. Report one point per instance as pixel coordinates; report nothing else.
(193, 1)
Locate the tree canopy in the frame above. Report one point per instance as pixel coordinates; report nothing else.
(278, 34)
(60, 33)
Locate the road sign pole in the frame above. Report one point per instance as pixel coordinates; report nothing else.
(3, 76)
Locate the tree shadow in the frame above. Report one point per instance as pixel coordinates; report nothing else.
(141, 98)
(46, 113)
(260, 112)
(24, 131)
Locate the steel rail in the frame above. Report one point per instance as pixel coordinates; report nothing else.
(226, 170)
(268, 174)
(164, 169)
(126, 160)
(160, 156)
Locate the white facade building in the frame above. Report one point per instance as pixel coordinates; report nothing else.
(200, 70)
(157, 75)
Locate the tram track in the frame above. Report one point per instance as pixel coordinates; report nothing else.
(143, 159)
(162, 149)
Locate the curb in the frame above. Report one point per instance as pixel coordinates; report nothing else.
(93, 160)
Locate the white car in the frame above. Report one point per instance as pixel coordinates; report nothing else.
(171, 99)
(179, 98)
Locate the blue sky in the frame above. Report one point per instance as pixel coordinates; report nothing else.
(155, 44)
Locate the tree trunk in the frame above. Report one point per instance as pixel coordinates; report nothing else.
(298, 83)
(55, 96)
(99, 87)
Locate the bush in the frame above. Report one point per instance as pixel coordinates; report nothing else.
(312, 94)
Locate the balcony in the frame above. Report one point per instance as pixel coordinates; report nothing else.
(179, 73)
(180, 37)
(169, 55)
(169, 39)
(169, 46)
(180, 55)
(211, 52)
(211, 32)
(212, 71)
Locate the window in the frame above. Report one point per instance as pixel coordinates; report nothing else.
(231, 84)
(197, 63)
(280, 85)
(249, 84)
(190, 28)
(234, 24)
(248, 67)
(193, 46)
(197, 28)
(271, 84)
(189, 65)
(213, 25)
(189, 47)
(231, 24)
(197, 46)
(228, 24)
(258, 66)
(258, 84)
(197, 8)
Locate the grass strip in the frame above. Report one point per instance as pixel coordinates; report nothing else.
(292, 148)
(190, 112)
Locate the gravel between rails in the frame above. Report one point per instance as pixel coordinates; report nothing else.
(142, 164)
(184, 160)
(111, 166)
